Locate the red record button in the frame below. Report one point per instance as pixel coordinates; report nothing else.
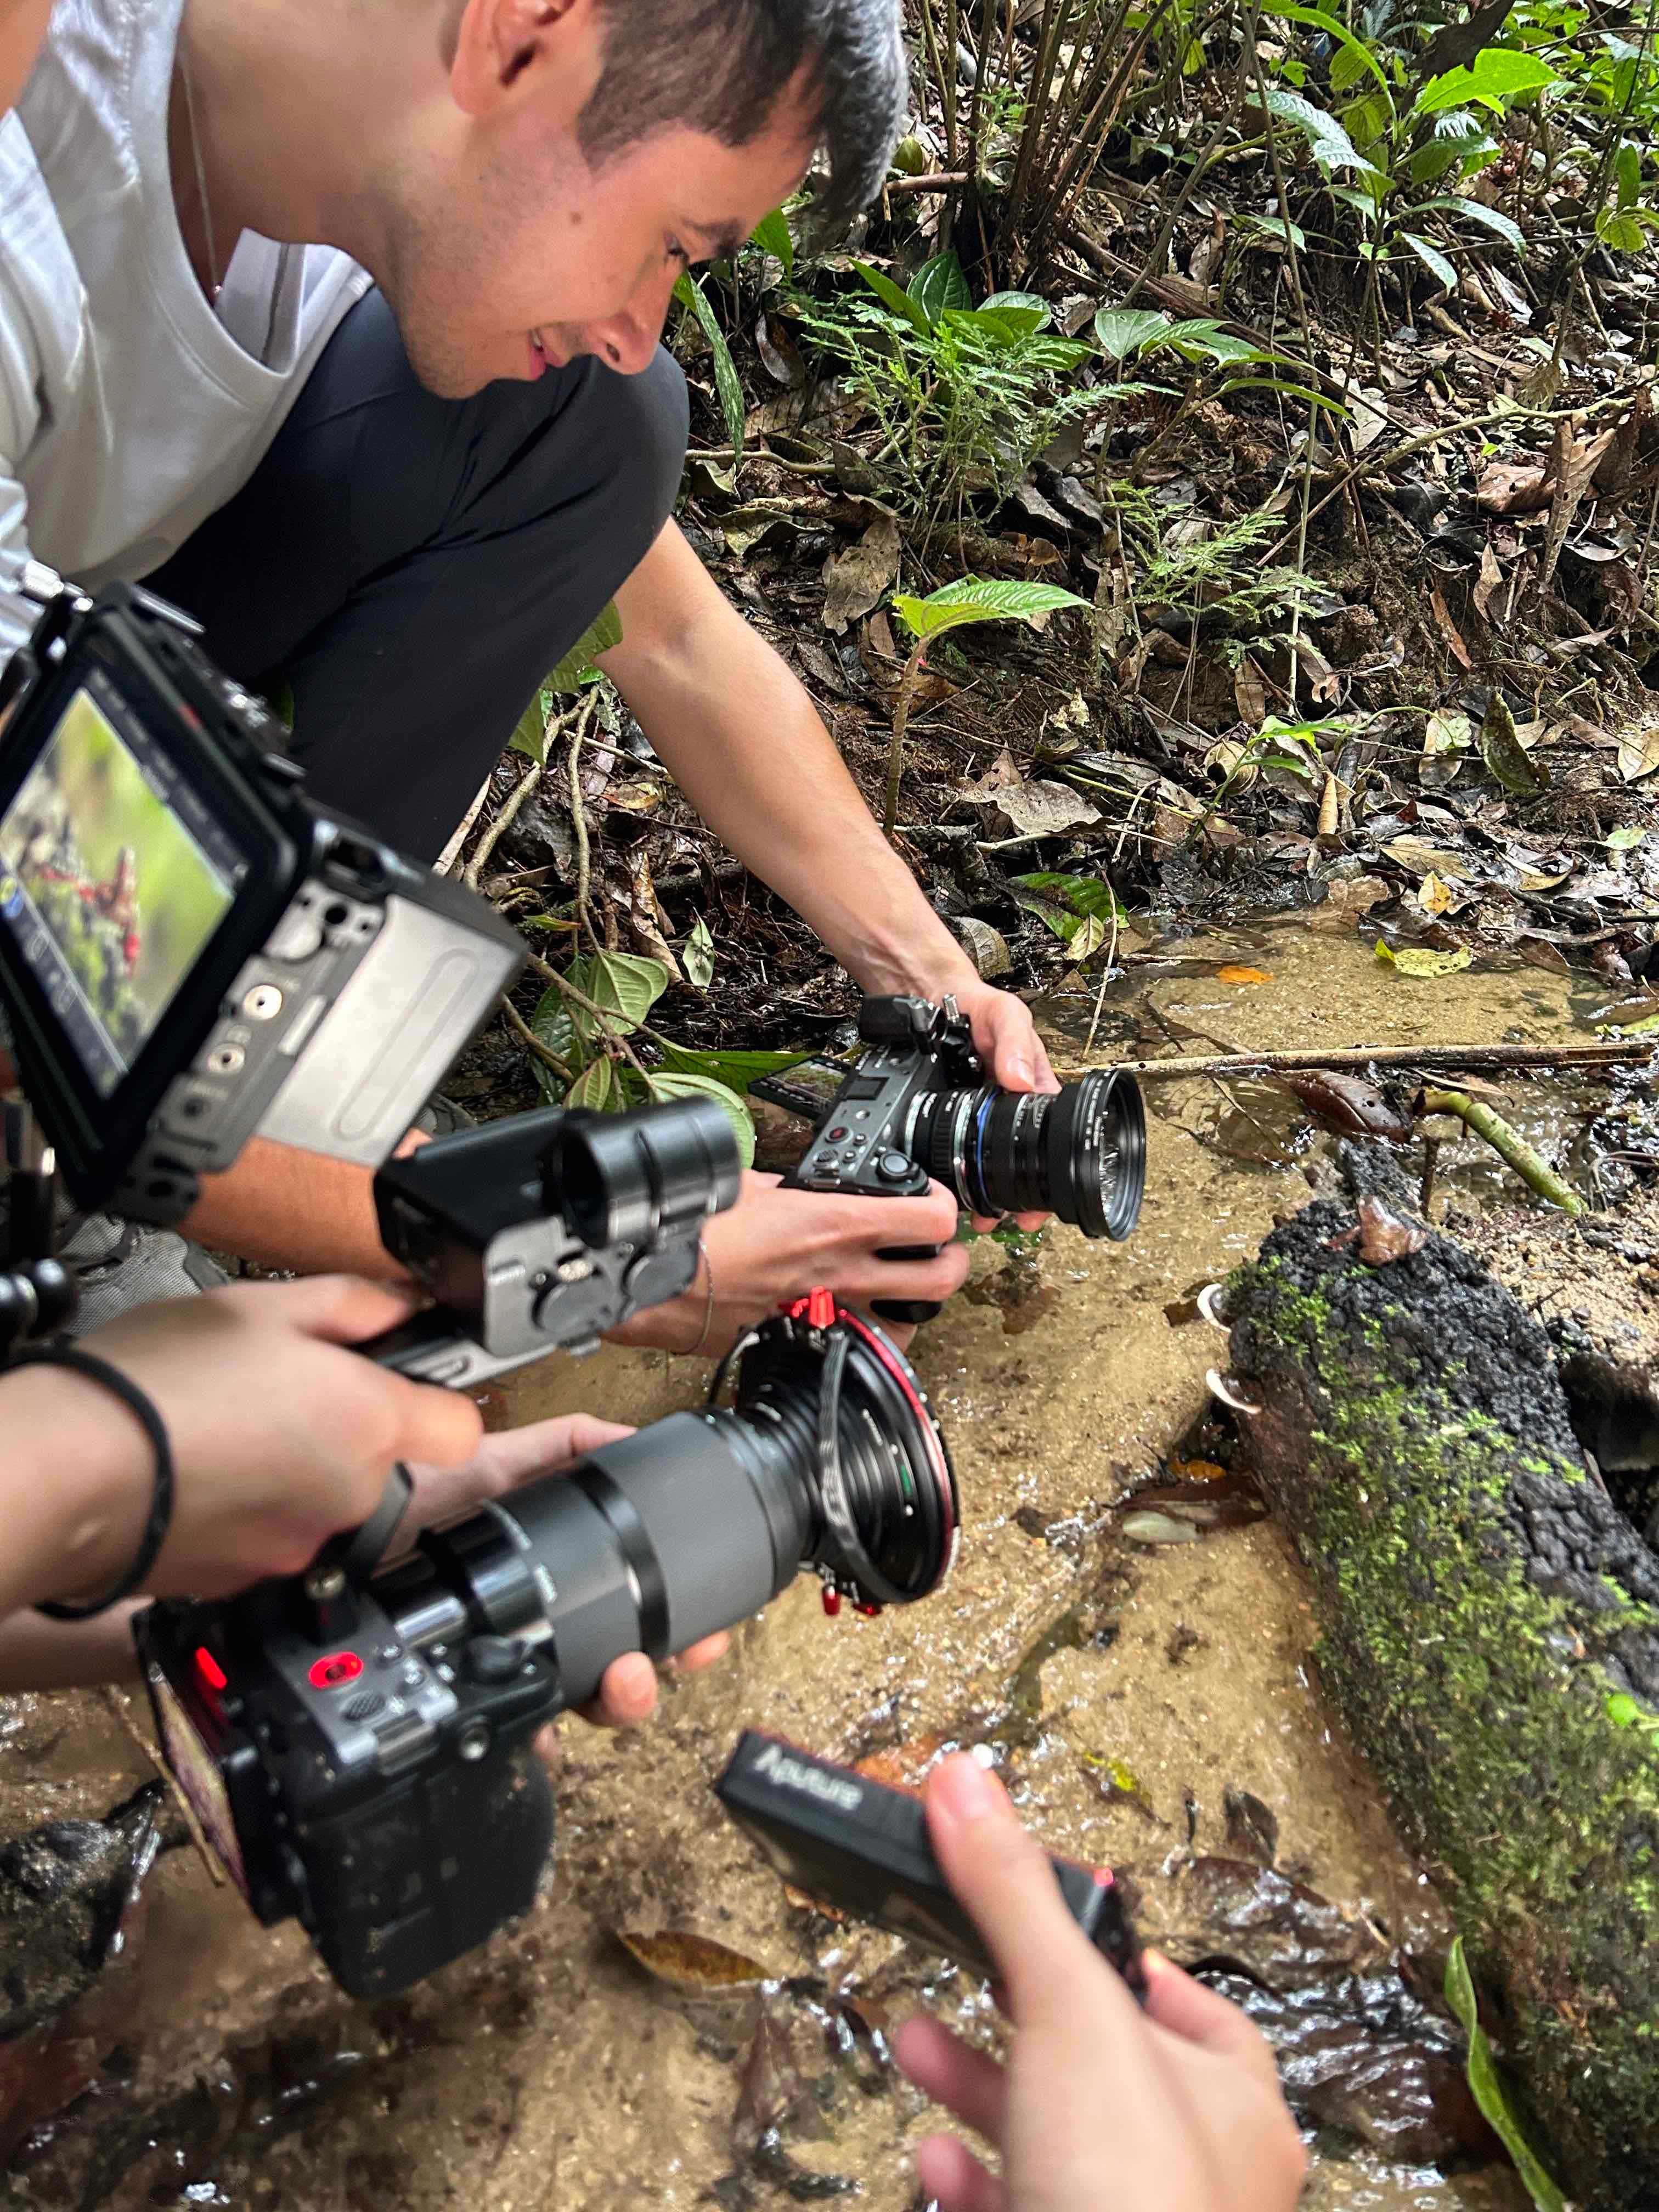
(336, 1671)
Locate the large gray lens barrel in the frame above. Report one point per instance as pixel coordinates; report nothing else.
(656, 1541)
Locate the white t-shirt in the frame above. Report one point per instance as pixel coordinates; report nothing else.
(129, 408)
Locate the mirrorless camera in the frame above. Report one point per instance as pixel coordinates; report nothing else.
(917, 1108)
(357, 1745)
(191, 951)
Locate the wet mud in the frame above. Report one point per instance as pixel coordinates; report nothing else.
(1147, 1694)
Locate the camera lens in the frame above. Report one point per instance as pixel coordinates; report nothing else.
(632, 1178)
(830, 1457)
(1081, 1154)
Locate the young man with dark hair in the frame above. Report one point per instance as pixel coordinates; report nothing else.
(338, 321)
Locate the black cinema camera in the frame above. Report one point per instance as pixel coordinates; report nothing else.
(357, 1744)
(917, 1108)
(193, 951)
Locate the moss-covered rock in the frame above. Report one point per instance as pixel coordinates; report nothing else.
(1492, 1638)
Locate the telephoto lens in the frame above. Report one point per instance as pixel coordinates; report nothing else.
(1080, 1154)
(828, 1458)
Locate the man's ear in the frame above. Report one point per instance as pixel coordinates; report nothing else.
(496, 42)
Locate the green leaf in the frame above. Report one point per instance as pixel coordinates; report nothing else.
(1486, 2085)
(1355, 57)
(1432, 259)
(1505, 755)
(1622, 233)
(598, 1088)
(737, 1069)
(938, 284)
(1625, 840)
(977, 599)
(1498, 74)
(1418, 960)
(1004, 326)
(665, 1087)
(577, 668)
(771, 234)
(1124, 330)
(1627, 167)
(1000, 301)
(690, 294)
(1624, 1711)
(552, 1024)
(1477, 211)
(899, 301)
(698, 956)
(1203, 338)
(1084, 895)
(1329, 142)
(530, 738)
(626, 985)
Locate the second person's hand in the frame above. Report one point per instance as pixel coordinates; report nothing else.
(775, 1245)
(628, 1694)
(1101, 2105)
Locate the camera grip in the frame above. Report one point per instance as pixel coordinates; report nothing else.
(912, 1311)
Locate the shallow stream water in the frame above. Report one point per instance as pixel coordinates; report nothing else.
(1127, 1688)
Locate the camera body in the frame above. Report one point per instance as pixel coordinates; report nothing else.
(356, 1740)
(547, 1230)
(920, 1107)
(192, 951)
(865, 1139)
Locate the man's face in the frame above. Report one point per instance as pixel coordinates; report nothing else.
(509, 254)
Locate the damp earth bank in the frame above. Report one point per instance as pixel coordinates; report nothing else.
(1151, 1702)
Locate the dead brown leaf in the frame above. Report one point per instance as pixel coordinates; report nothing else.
(1638, 754)
(1448, 629)
(696, 1964)
(1384, 1237)
(1345, 897)
(857, 580)
(1348, 1104)
(1513, 488)
(1489, 580)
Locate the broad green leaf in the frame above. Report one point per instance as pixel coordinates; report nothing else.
(530, 738)
(892, 296)
(553, 1025)
(597, 1088)
(665, 1087)
(1084, 895)
(1627, 167)
(1303, 393)
(1622, 233)
(626, 985)
(690, 294)
(1626, 839)
(577, 667)
(1477, 211)
(771, 234)
(1033, 301)
(1203, 337)
(1498, 74)
(1486, 2085)
(1418, 960)
(1004, 326)
(736, 1069)
(1432, 259)
(978, 599)
(1124, 330)
(938, 284)
(698, 957)
(1356, 57)
(1330, 144)
(1504, 755)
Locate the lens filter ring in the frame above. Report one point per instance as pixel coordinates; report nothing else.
(1096, 1154)
(899, 1508)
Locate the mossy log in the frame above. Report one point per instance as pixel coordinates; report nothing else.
(1491, 1636)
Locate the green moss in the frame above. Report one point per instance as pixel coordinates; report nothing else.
(1482, 1703)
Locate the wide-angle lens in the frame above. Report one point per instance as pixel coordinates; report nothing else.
(632, 1178)
(1080, 1154)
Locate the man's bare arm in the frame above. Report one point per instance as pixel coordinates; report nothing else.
(284, 1208)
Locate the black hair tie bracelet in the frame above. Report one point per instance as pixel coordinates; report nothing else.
(160, 1508)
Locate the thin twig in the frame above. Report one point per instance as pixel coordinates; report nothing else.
(937, 180)
(533, 1044)
(579, 818)
(1497, 1057)
(503, 821)
(1506, 1139)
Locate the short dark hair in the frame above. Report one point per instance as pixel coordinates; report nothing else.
(720, 66)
